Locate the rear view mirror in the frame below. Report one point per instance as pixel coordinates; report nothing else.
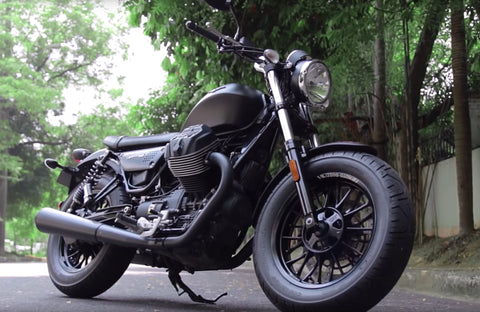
(222, 5)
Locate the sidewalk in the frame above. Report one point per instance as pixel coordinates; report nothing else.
(458, 283)
(9, 258)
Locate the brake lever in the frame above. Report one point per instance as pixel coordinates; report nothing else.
(232, 42)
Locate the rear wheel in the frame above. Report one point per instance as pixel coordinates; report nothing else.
(83, 269)
(358, 250)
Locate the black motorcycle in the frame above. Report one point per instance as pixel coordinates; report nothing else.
(332, 231)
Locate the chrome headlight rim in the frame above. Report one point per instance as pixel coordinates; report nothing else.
(299, 79)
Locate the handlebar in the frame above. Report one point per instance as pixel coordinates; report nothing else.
(226, 44)
(192, 26)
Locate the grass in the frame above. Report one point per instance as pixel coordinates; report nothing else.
(453, 252)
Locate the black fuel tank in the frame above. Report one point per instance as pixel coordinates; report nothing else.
(228, 108)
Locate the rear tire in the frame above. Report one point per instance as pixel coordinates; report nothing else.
(85, 270)
(352, 279)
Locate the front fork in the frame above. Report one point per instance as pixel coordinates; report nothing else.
(293, 155)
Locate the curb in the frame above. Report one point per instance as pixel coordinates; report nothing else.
(457, 283)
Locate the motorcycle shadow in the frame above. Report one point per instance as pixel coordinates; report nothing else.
(155, 304)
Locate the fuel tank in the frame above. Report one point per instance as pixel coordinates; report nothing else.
(228, 108)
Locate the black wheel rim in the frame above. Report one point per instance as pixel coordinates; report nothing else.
(76, 255)
(323, 255)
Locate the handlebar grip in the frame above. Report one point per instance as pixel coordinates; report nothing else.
(192, 26)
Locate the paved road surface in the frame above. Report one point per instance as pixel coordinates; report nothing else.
(26, 287)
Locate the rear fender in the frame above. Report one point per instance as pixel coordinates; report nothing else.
(322, 149)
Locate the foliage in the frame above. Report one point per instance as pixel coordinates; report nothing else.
(341, 33)
(47, 46)
(195, 67)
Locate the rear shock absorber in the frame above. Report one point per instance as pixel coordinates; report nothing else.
(83, 194)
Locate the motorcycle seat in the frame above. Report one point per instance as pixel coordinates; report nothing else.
(122, 143)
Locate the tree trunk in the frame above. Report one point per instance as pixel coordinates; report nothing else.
(379, 132)
(415, 75)
(463, 137)
(6, 53)
(3, 209)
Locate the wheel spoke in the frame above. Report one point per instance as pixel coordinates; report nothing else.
(366, 218)
(330, 274)
(292, 237)
(291, 261)
(359, 228)
(352, 248)
(327, 197)
(320, 261)
(335, 260)
(302, 266)
(347, 194)
(76, 252)
(354, 211)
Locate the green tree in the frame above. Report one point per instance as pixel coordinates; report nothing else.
(411, 100)
(45, 46)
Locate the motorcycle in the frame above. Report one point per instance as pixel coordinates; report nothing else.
(333, 230)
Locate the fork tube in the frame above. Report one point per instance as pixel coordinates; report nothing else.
(314, 140)
(293, 156)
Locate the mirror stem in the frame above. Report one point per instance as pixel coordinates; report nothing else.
(238, 32)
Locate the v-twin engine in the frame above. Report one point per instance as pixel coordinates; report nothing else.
(186, 155)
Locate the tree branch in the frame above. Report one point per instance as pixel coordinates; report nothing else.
(418, 69)
(342, 119)
(43, 142)
(70, 69)
(430, 117)
(42, 64)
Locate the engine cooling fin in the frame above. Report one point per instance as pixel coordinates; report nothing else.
(186, 156)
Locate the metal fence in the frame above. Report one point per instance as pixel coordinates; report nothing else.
(437, 147)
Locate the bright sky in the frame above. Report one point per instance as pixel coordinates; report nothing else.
(141, 71)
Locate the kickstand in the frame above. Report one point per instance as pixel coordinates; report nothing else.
(176, 281)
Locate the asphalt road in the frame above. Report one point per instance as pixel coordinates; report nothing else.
(26, 287)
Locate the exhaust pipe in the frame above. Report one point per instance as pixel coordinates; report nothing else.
(53, 221)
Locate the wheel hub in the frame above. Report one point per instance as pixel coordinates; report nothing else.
(327, 233)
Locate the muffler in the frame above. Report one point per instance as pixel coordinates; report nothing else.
(53, 221)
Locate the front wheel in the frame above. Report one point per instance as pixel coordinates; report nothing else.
(358, 250)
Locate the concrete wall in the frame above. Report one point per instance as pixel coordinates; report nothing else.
(474, 104)
(441, 217)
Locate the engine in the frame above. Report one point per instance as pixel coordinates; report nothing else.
(186, 155)
(171, 214)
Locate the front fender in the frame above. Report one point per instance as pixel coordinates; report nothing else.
(341, 146)
(322, 149)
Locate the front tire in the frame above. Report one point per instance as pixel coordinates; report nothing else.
(358, 255)
(84, 270)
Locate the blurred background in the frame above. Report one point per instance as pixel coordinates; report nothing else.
(406, 80)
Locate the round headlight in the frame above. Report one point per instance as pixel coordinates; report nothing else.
(312, 80)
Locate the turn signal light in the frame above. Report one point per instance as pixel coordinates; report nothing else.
(294, 170)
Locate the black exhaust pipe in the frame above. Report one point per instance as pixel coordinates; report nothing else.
(53, 221)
